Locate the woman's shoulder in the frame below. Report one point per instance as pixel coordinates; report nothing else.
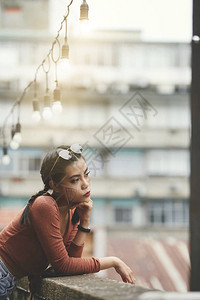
(43, 202)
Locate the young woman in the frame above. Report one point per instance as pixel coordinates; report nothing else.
(53, 226)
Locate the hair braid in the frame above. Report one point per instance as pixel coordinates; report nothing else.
(24, 216)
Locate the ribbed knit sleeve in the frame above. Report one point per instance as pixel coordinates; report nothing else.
(44, 217)
(73, 249)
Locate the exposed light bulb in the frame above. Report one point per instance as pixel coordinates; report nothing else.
(6, 160)
(64, 64)
(14, 145)
(17, 136)
(57, 107)
(85, 27)
(6, 157)
(36, 116)
(47, 113)
(84, 8)
(36, 111)
(64, 61)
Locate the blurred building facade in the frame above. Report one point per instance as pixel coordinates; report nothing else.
(125, 99)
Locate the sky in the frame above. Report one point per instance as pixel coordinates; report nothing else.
(163, 20)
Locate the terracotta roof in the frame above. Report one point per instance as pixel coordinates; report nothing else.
(157, 264)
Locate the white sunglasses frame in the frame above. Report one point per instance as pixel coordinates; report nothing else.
(62, 152)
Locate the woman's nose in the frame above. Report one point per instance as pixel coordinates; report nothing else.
(85, 183)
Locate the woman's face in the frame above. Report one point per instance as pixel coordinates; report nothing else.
(75, 186)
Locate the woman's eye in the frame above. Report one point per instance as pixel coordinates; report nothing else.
(74, 180)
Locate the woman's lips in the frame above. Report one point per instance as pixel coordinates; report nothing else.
(87, 194)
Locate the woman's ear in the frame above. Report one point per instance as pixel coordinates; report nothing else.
(54, 186)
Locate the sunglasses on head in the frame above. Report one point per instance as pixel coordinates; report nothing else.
(67, 153)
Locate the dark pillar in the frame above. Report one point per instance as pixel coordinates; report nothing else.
(195, 155)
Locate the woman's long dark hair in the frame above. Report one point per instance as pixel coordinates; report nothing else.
(56, 174)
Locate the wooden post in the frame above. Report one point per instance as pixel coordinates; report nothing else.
(195, 155)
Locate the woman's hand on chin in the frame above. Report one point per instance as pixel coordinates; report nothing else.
(76, 204)
(84, 210)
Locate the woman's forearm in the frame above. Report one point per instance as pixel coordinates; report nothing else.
(81, 236)
(108, 262)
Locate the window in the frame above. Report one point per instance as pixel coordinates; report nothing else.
(34, 164)
(168, 162)
(167, 115)
(23, 161)
(29, 164)
(123, 215)
(168, 212)
(127, 163)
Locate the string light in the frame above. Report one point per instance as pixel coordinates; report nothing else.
(84, 21)
(36, 108)
(56, 107)
(84, 8)
(47, 112)
(36, 111)
(18, 136)
(6, 157)
(13, 144)
(17, 133)
(64, 62)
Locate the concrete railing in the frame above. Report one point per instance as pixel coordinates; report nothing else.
(86, 287)
(91, 287)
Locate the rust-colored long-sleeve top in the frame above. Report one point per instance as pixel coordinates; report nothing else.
(30, 248)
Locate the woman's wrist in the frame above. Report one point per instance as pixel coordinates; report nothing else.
(85, 224)
(116, 262)
(109, 262)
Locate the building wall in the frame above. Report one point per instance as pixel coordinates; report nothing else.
(145, 180)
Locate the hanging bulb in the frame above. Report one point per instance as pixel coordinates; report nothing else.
(6, 157)
(57, 106)
(13, 144)
(84, 8)
(36, 116)
(84, 27)
(47, 112)
(84, 21)
(12, 132)
(17, 136)
(36, 110)
(64, 61)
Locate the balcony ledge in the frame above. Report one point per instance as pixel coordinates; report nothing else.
(86, 287)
